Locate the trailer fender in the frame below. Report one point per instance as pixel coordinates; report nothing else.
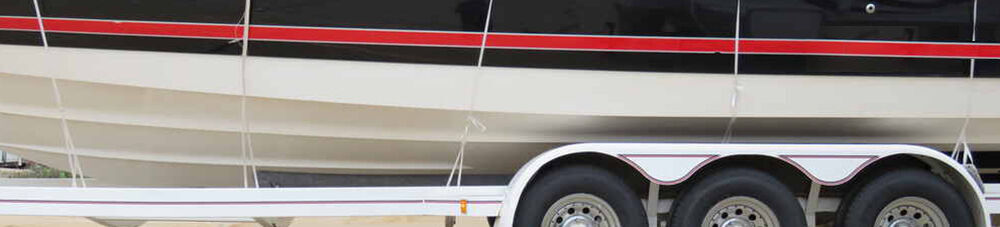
(670, 164)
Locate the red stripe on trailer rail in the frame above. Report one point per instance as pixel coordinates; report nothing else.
(508, 40)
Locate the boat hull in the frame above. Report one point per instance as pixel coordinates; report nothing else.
(171, 119)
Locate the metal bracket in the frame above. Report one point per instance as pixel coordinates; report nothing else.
(812, 204)
(652, 203)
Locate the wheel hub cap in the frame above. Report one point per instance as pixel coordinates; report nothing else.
(737, 223)
(740, 211)
(903, 223)
(579, 221)
(911, 212)
(580, 210)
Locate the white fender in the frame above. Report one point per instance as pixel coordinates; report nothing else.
(669, 164)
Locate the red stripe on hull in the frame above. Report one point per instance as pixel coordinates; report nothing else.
(145, 28)
(19, 23)
(512, 41)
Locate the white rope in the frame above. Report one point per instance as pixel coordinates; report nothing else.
(975, 18)
(75, 169)
(41, 25)
(962, 152)
(734, 98)
(246, 143)
(471, 121)
(486, 33)
(460, 158)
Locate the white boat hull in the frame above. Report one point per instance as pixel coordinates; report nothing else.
(169, 119)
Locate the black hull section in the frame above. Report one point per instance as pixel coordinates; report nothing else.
(162, 44)
(623, 61)
(377, 53)
(899, 38)
(21, 38)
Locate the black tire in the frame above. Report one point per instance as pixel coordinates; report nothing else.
(865, 202)
(694, 203)
(564, 181)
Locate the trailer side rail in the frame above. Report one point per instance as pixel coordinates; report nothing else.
(992, 198)
(255, 202)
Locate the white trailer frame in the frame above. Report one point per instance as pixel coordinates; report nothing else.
(660, 164)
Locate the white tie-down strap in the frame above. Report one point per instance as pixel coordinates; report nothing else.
(734, 97)
(961, 152)
(472, 121)
(246, 143)
(41, 25)
(76, 171)
(733, 106)
(460, 158)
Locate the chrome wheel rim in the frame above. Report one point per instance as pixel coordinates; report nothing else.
(740, 211)
(580, 210)
(911, 212)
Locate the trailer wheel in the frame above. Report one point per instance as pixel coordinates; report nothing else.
(909, 197)
(580, 196)
(737, 197)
